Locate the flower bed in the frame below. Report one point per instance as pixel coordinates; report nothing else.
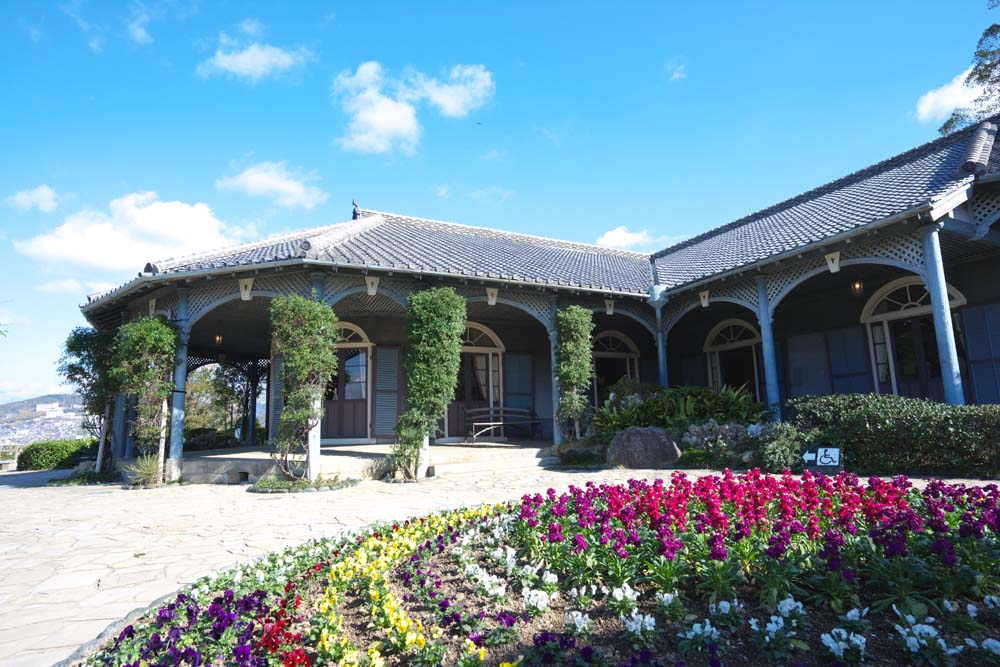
(734, 570)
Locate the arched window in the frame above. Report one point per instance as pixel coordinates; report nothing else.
(480, 376)
(730, 348)
(615, 356)
(901, 337)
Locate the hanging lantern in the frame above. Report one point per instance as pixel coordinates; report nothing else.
(857, 288)
(218, 336)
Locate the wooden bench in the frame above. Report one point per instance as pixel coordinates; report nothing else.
(481, 420)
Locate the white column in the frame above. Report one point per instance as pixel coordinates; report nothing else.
(767, 345)
(937, 288)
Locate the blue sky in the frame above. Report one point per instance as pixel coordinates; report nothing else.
(137, 131)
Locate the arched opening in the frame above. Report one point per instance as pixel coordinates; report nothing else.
(480, 376)
(731, 350)
(901, 341)
(695, 339)
(615, 357)
(230, 341)
(348, 396)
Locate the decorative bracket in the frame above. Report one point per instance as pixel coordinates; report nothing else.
(152, 306)
(371, 284)
(609, 306)
(833, 261)
(491, 295)
(703, 297)
(246, 289)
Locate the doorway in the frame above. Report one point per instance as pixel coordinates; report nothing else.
(347, 400)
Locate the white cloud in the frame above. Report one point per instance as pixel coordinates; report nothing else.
(494, 154)
(43, 198)
(273, 179)
(137, 31)
(468, 88)
(675, 71)
(493, 194)
(251, 27)
(64, 286)
(255, 61)
(95, 39)
(623, 239)
(138, 228)
(383, 110)
(379, 123)
(936, 104)
(442, 191)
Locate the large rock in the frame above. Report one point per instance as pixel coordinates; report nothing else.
(643, 447)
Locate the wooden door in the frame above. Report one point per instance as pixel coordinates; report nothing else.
(472, 391)
(346, 398)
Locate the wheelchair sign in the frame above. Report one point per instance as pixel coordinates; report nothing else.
(822, 457)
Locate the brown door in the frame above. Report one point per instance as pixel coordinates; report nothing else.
(918, 366)
(346, 398)
(473, 390)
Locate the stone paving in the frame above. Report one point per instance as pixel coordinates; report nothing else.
(74, 559)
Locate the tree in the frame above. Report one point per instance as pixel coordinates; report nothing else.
(142, 365)
(435, 324)
(574, 351)
(305, 333)
(86, 364)
(234, 390)
(201, 405)
(985, 74)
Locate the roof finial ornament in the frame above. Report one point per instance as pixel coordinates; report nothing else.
(357, 210)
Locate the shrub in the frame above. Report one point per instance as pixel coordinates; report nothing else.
(88, 478)
(893, 434)
(49, 454)
(676, 407)
(780, 446)
(145, 471)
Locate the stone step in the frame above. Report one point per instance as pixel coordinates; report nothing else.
(485, 466)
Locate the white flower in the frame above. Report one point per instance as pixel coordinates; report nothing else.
(991, 646)
(577, 622)
(839, 640)
(754, 624)
(789, 606)
(666, 599)
(856, 614)
(624, 592)
(537, 600)
(950, 606)
(971, 610)
(638, 623)
(702, 631)
(549, 578)
(992, 602)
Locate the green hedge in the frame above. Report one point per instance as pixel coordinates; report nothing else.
(886, 434)
(632, 404)
(49, 454)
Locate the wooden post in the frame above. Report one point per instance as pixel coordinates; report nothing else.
(102, 437)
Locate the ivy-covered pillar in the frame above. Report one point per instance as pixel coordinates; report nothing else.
(180, 387)
(557, 436)
(767, 346)
(944, 332)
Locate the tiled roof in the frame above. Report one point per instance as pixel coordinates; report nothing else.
(389, 241)
(893, 186)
